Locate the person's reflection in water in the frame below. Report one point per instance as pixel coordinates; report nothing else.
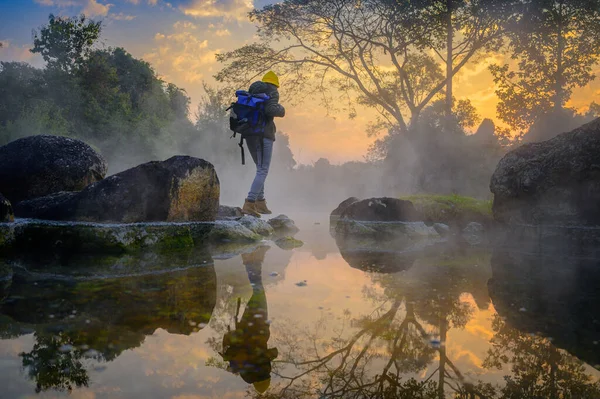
(245, 347)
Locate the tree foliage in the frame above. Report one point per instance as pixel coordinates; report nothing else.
(555, 44)
(106, 97)
(374, 51)
(65, 42)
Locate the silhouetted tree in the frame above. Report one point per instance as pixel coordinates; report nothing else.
(556, 43)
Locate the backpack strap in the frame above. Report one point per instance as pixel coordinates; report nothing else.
(241, 144)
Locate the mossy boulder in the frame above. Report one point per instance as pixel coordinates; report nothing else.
(6, 210)
(115, 238)
(36, 166)
(179, 189)
(453, 210)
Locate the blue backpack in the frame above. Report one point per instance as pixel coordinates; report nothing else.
(247, 117)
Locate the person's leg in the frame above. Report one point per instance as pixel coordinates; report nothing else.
(261, 204)
(263, 162)
(249, 208)
(253, 145)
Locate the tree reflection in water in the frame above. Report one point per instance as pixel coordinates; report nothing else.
(399, 349)
(539, 369)
(54, 363)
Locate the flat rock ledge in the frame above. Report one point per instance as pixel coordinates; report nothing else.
(33, 234)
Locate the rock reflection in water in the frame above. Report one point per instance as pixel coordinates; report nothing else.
(553, 300)
(424, 328)
(77, 318)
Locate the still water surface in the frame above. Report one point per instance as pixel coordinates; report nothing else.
(314, 322)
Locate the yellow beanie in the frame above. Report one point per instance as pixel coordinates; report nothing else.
(262, 386)
(270, 77)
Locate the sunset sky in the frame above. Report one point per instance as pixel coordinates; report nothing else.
(180, 39)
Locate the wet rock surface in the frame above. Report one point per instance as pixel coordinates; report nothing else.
(179, 189)
(45, 207)
(36, 166)
(474, 233)
(87, 237)
(385, 231)
(6, 210)
(256, 225)
(229, 212)
(282, 224)
(232, 231)
(555, 182)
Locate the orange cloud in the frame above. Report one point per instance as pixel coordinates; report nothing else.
(90, 8)
(229, 9)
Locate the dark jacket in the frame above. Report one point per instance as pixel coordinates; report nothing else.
(272, 107)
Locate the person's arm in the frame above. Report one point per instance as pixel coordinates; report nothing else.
(272, 106)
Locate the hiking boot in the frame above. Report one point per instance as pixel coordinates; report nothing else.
(250, 209)
(261, 207)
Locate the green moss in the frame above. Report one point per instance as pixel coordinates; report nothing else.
(176, 241)
(451, 209)
(289, 243)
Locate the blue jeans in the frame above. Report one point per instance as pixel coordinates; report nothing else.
(262, 160)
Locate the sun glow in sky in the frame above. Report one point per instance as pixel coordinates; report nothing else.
(180, 39)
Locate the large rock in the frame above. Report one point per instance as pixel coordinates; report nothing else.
(381, 210)
(337, 212)
(45, 207)
(556, 182)
(6, 210)
(36, 166)
(179, 189)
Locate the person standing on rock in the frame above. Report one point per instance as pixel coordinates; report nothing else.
(261, 147)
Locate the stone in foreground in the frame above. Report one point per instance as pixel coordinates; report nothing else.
(179, 189)
(6, 210)
(555, 182)
(36, 166)
(86, 237)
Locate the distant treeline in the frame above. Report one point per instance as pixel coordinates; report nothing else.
(397, 57)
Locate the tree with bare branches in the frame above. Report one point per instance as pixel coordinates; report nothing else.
(374, 53)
